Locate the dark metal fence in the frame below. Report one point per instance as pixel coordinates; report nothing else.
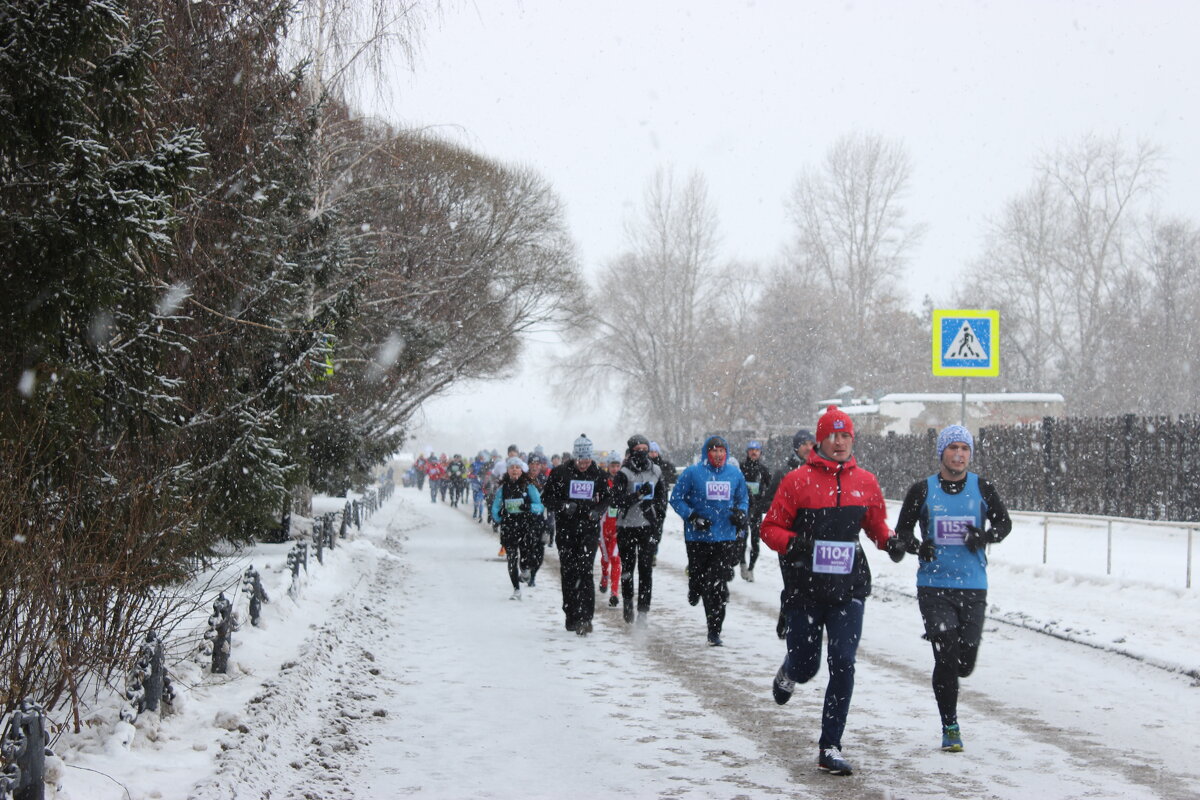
(1128, 466)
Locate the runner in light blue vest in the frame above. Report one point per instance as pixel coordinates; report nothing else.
(952, 508)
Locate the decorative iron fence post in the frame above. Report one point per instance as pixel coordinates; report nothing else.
(252, 585)
(220, 633)
(327, 530)
(148, 682)
(23, 749)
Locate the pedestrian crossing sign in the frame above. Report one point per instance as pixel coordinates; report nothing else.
(966, 343)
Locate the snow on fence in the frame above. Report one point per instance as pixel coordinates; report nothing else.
(23, 737)
(1143, 549)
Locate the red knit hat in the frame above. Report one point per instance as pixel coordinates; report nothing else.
(833, 420)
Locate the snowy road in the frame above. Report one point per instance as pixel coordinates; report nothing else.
(443, 687)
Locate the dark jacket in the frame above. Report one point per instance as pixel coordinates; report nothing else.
(578, 498)
(756, 472)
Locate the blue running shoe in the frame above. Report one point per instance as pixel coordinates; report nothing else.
(831, 761)
(951, 739)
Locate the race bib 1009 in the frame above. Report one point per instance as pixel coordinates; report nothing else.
(833, 558)
(582, 490)
(718, 490)
(951, 530)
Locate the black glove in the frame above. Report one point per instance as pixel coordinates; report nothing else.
(927, 551)
(569, 508)
(648, 510)
(646, 489)
(975, 538)
(738, 518)
(700, 523)
(799, 549)
(896, 548)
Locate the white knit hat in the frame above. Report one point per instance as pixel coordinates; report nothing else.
(582, 447)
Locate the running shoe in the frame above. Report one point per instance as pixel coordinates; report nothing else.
(781, 687)
(516, 595)
(614, 601)
(744, 572)
(951, 739)
(831, 761)
(714, 640)
(584, 628)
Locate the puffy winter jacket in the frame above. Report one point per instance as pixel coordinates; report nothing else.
(825, 504)
(712, 493)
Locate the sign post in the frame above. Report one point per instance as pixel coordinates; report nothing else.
(966, 343)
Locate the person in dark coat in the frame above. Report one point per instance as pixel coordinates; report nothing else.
(637, 493)
(758, 482)
(577, 493)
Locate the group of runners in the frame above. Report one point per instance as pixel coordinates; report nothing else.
(810, 513)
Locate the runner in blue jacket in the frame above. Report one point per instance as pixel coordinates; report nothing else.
(713, 500)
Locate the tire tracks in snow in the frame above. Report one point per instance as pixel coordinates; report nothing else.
(674, 639)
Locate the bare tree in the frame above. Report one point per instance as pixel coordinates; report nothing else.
(1017, 275)
(850, 225)
(1097, 184)
(650, 322)
(1059, 266)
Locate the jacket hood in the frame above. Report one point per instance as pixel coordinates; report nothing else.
(709, 442)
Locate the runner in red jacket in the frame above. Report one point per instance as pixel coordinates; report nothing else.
(814, 521)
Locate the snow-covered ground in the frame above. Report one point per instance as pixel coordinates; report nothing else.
(401, 668)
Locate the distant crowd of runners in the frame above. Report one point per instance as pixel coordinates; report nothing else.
(810, 512)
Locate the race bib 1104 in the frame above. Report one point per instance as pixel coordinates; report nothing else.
(718, 490)
(833, 558)
(582, 490)
(951, 530)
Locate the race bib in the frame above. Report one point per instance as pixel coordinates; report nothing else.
(582, 490)
(951, 530)
(513, 506)
(718, 490)
(612, 511)
(753, 487)
(638, 486)
(833, 558)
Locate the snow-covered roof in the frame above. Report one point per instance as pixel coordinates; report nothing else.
(977, 397)
(866, 408)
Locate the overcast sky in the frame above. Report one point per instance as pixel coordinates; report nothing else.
(596, 96)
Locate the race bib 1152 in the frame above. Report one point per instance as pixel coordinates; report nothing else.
(951, 530)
